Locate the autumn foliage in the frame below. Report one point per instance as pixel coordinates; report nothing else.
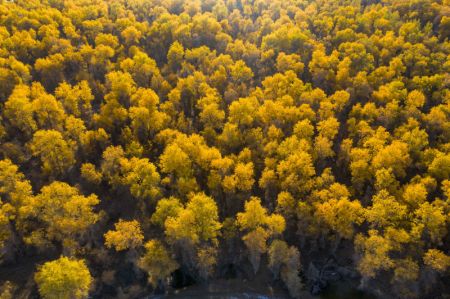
(159, 139)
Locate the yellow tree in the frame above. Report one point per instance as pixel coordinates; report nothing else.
(14, 188)
(437, 260)
(430, 222)
(14, 192)
(295, 172)
(385, 211)
(166, 207)
(127, 235)
(90, 173)
(6, 214)
(18, 110)
(55, 153)
(374, 250)
(76, 100)
(64, 278)
(196, 229)
(258, 226)
(175, 162)
(63, 215)
(394, 156)
(341, 215)
(196, 223)
(285, 260)
(142, 177)
(157, 262)
(48, 112)
(111, 164)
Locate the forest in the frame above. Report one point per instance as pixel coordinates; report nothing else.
(151, 145)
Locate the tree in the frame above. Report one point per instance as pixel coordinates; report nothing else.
(175, 56)
(243, 111)
(12, 73)
(121, 86)
(286, 204)
(131, 35)
(175, 160)
(7, 290)
(157, 262)
(178, 164)
(395, 156)
(385, 179)
(14, 188)
(415, 194)
(194, 231)
(290, 62)
(254, 216)
(243, 176)
(198, 222)
(437, 260)
(258, 227)
(62, 212)
(111, 164)
(145, 117)
(295, 172)
(90, 174)
(51, 70)
(54, 152)
(286, 260)
(375, 254)
(64, 278)
(76, 100)
(19, 110)
(255, 241)
(328, 128)
(278, 255)
(440, 167)
(430, 222)
(336, 114)
(406, 272)
(6, 213)
(165, 208)
(142, 177)
(206, 261)
(359, 167)
(144, 70)
(290, 271)
(385, 211)
(341, 215)
(48, 112)
(127, 235)
(240, 72)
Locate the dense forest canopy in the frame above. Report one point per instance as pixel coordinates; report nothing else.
(182, 138)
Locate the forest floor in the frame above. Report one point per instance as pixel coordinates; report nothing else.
(243, 289)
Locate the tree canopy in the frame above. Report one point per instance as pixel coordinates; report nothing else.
(153, 144)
